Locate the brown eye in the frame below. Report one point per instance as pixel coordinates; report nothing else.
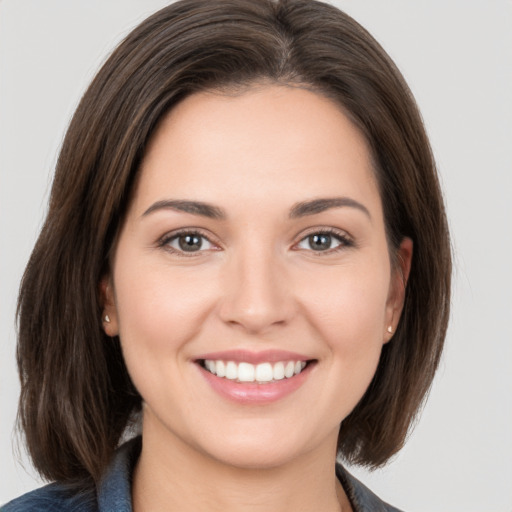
(324, 241)
(320, 242)
(188, 242)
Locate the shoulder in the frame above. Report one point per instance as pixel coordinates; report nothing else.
(361, 498)
(53, 498)
(113, 493)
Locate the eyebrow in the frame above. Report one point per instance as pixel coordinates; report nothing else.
(298, 210)
(193, 207)
(315, 206)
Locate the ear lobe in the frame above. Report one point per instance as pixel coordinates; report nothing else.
(399, 278)
(109, 311)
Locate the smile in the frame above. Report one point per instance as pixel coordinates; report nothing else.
(265, 372)
(255, 378)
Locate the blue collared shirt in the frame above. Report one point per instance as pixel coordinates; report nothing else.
(113, 494)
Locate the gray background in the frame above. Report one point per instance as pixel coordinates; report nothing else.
(457, 58)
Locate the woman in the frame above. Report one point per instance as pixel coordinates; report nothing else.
(246, 257)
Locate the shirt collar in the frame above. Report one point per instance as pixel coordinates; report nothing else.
(114, 490)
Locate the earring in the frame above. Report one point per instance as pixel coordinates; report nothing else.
(106, 318)
(390, 329)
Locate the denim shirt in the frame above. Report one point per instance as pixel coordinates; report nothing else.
(113, 494)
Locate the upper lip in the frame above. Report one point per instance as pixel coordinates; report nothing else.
(246, 356)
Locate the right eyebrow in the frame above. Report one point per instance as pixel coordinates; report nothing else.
(193, 207)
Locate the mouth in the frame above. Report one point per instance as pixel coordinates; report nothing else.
(255, 378)
(266, 372)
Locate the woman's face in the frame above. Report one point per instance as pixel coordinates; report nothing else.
(255, 249)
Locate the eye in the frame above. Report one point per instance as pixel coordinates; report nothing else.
(324, 241)
(187, 242)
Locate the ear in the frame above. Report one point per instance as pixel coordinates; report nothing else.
(399, 277)
(109, 311)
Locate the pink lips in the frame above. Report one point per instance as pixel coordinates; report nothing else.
(238, 356)
(254, 393)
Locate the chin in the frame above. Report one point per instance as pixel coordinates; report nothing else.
(262, 448)
(255, 456)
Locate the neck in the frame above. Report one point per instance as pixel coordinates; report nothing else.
(175, 476)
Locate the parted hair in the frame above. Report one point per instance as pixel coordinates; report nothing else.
(77, 399)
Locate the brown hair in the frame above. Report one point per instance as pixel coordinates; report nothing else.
(77, 397)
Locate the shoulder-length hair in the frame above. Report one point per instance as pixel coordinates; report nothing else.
(76, 395)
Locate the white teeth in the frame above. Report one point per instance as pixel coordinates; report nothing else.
(279, 371)
(246, 372)
(298, 367)
(231, 371)
(264, 372)
(218, 368)
(289, 370)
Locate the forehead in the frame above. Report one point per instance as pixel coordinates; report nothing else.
(268, 140)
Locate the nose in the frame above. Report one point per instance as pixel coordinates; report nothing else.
(258, 295)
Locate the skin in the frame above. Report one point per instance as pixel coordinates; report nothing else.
(256, 284)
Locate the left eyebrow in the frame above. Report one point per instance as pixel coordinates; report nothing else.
(315, 206)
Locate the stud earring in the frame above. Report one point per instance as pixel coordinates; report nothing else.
(107, 319)
(390, 329)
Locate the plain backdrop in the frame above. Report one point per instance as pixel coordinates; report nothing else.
(457, 57)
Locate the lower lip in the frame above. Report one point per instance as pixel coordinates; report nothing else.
(253, 392)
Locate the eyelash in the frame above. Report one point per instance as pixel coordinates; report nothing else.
(167, 239)
(344, 240)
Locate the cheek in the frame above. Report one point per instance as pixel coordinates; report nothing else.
(348, 307)
(348, 316)
(160, 310)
